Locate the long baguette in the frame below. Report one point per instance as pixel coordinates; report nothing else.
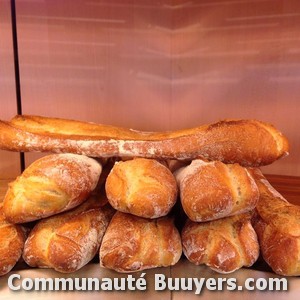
(248, 142)
(277, 224)
(12, 239)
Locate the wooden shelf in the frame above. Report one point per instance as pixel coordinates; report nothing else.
(287, 186)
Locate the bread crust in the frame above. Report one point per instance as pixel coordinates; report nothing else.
(247, 142)
(213, 190)
(50, 185)
(142, 187)
(68, 241)
(277, 224)
(224, 245)
(12, 239)
(133, 243)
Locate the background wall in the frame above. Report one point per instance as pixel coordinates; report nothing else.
(9, 161)
(162, 65)
(239, 59)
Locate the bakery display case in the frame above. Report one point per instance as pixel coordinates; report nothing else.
(154, 66)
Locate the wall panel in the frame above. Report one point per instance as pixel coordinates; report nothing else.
(95, 60)
(100, 61)
(239, 59)
(9, 161)
(163, 65)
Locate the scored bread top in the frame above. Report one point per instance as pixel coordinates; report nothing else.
(133, 243)
(224, 245)
(69, 240)
(50, 185)
(142, 187)
(213, 190)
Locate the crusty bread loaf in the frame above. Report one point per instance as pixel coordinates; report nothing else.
(224, 245)
(277, 224)
(213, 190)
(12, 239)
(248, 142)
(142, 187)
(68, 241)
(50, 185)
(133, 243)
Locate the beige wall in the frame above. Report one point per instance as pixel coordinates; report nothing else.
(163, 65)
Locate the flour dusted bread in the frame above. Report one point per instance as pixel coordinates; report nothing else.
(213, 190)
(247, 142)
(224, 245)
(277, 224)
(12, 239)
(50, 185)
(68, 241)
(133, 243)
(142, 187)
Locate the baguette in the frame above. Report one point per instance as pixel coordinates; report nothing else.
(133, 243)
(12, 239)
(213, 190)
(142, 187)
(50, 185)
(247, 142)
(277, 224)
(224, 245)
(68, 241)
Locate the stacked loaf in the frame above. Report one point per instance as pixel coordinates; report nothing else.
(117, 192)
(60, 196)
(218, 200)
(140, 235)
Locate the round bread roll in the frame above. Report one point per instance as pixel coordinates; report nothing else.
(142, 187)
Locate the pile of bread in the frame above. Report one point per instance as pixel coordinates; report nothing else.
(118, 193)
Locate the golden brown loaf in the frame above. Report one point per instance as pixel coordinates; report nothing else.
(277, 224)
(224, 245)
(133, 243)
(142, 187)
(68, 241)
(12, 239)
(248, 142)
(50, 185)
(213, 190)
